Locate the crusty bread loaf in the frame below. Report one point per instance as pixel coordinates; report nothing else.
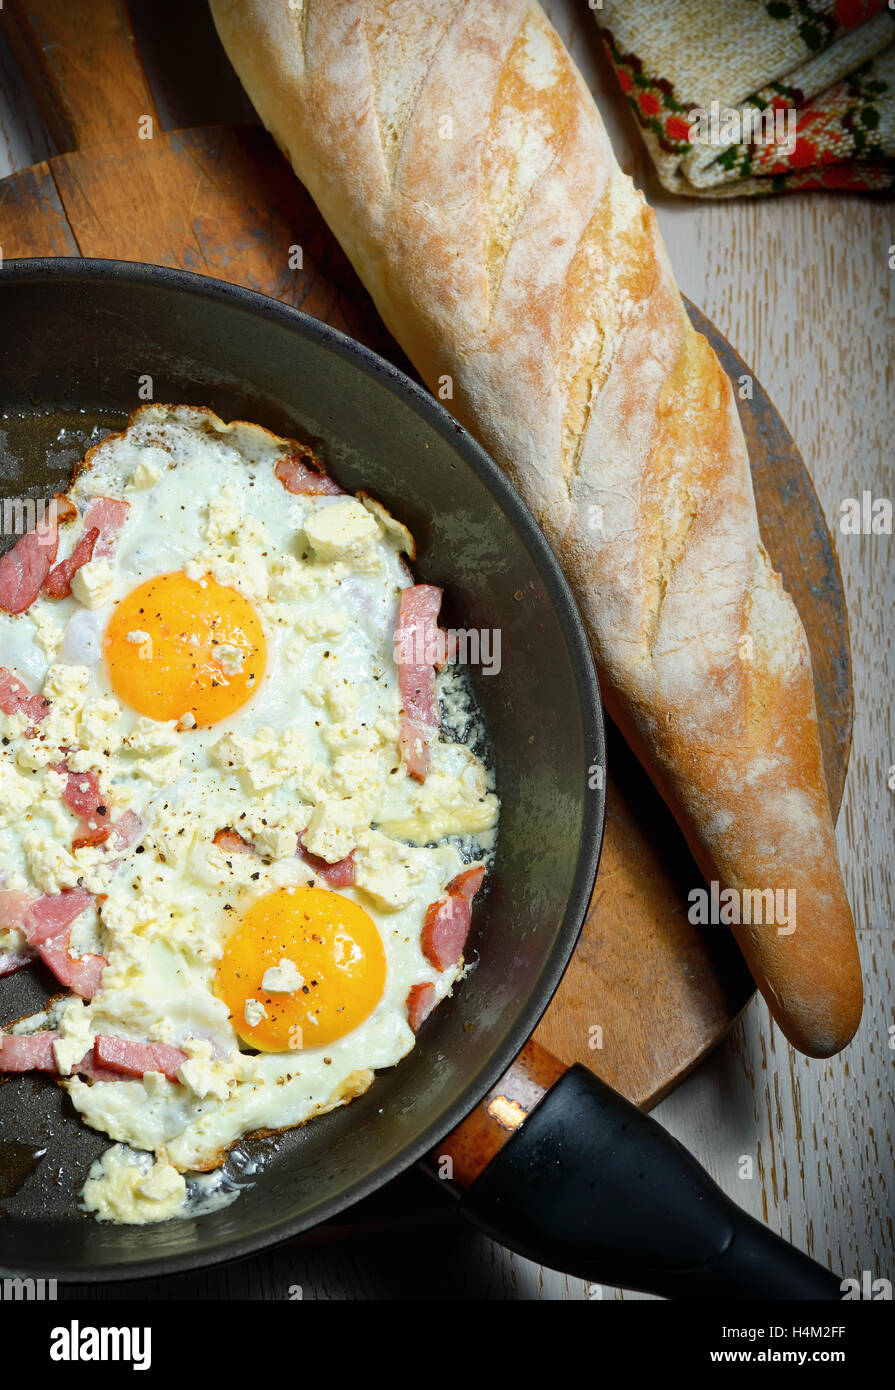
(460, 160)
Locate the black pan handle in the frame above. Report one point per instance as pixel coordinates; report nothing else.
(590, 1185)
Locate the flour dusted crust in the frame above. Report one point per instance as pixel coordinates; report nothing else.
(460, 160)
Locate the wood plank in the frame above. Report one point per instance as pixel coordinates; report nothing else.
(217, 202)
(81, 67)
(32, 218)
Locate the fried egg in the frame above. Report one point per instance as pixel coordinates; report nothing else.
(257, 862)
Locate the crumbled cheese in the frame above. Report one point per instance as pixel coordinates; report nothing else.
(161, 768)
(357, 738)
(282, 979)
(152, 462)
(322, 622)
(254, 1012)
(64, 684)
(288, 578)
(341, 698)
(76, 1036)
(144, 477)
(163, 1183)
(443, 806)
(387, 870)
(206, 1078)
(352, 773)
(274, 831)
(47, 633)
(264, 760)
(230, 659)
(334, 826)
(123, 1186)
(17, 793)
(93, 585)
(13, 726)
(53, 867)
(224, 515)
(238, 560)
(143, 640)
(345, 531)
(149, 736)
(53, 784)
(98, 728)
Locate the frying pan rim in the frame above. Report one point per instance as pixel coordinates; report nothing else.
(473, 455)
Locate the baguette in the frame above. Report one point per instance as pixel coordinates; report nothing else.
(460, 160)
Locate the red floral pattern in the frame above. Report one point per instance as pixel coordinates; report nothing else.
(836, 145)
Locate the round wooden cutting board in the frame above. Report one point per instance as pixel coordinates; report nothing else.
(647, 994)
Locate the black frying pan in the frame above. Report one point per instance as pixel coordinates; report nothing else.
(580, 1180)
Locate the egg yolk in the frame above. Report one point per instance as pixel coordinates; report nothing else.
(336, 951)
(178, 646)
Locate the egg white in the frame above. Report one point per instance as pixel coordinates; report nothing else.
(314, 748)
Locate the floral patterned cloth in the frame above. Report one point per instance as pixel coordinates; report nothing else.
(759, 96)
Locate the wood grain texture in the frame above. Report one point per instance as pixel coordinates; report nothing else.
(32, 216)
(801, 285)
(82, 68)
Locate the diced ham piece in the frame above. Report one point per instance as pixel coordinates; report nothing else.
(16, 698)
(47, 927)
(91, 833)
(420, 1003)
(24, 568)
(11, 961)
(88, 1067)
(446, 924)
(106, 515)
(231, 841)
(136, 1058)
(82, 975)
(468, 882)
(338, 875)
(83, 796)
(420, 647)
(127, 831)
(445, 929)
(50, 915)
(14, 908)
(302, 474)
(27, 1052)
(59, 579)
(110, 1059)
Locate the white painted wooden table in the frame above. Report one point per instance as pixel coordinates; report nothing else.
(801, 285)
